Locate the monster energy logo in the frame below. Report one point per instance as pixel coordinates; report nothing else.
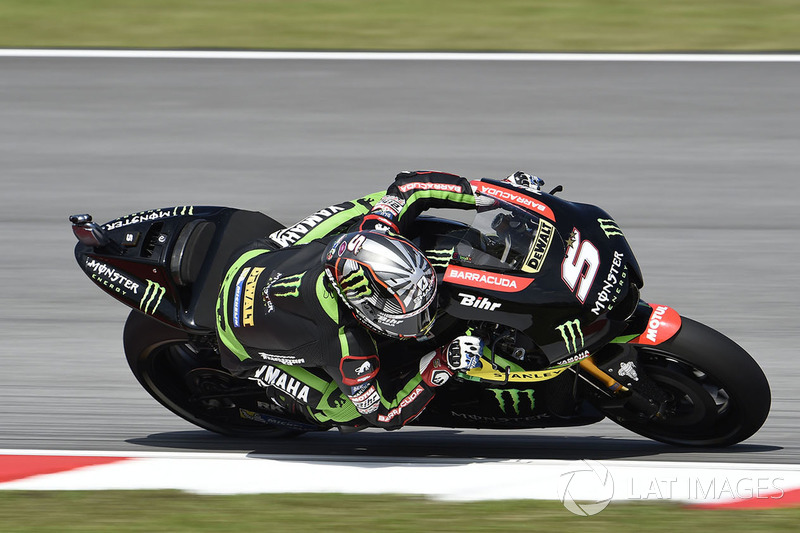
(287, 287)
(516, 395)
(572, 335)
(152, 296)
(183, 210)
(440, 258)
(356, 285)
(609, 227)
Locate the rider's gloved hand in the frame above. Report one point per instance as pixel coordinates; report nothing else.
(461, 354)
(464, 353)
(434, 370)
(372, 222)
(523, 179)
(383, 216)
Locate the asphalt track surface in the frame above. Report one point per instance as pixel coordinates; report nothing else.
(698, 162)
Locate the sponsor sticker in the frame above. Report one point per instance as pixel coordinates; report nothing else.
(427, 186)
(405, 402)
(292, 234)
(389, 206)
(368, 401)
(514, 197)
(152, 297)
(270, 376)
(612, 286)
(250, 295)
(486, 373)
(110, 277)
(511, 400)
(358, 369)
(609, 227)
(282, 359)
(572, 335)
(149, 216)
(237, 298)
(628, 369)
(479, 302)
(663, 324)
(574, 359)
(539, 247)
(482, 279)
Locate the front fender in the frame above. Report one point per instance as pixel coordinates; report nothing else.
(650, 324)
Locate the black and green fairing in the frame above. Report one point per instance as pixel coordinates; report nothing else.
(572, 299)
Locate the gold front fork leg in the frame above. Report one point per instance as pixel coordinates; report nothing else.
(611, 384)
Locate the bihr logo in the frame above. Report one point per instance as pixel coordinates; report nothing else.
(478, 302)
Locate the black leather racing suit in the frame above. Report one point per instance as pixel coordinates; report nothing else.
(281, 323)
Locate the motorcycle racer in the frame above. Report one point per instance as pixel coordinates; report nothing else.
(305, 320)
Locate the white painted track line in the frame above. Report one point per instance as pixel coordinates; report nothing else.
(454, 480)
(403, 56)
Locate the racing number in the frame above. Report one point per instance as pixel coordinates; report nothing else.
(580, 265)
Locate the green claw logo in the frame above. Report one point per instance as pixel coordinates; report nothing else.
(572, 335)
(183, 210)
(152, 296)
(609, 227)
(356, 285)
(287, 287)
(439, 258)
(516, 395)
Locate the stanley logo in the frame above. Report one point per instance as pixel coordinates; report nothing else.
(539, 247)
(609, 227)
(249, 295)
(572, 335)
(152, 297)
(515, 397)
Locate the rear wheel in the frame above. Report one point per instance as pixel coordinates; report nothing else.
(714, 393)
(185, 376)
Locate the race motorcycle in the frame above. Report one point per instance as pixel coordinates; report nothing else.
(552, 285)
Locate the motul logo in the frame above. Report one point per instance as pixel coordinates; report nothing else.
(663, 324)
(478, 302)
(422, 186)
(655, 322)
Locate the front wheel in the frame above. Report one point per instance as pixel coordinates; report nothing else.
(711, 392)
(185, 376)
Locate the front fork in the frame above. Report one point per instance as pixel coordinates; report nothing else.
(650, 325)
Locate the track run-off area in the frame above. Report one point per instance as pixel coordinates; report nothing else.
(695, 156)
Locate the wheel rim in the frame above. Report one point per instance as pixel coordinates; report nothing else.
(700, 410)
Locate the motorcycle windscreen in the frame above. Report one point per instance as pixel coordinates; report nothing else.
(505, 237)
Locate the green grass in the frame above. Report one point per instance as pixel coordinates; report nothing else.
(88, 512)
(542, 25)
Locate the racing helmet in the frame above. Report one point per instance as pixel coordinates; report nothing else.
(385, 280)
